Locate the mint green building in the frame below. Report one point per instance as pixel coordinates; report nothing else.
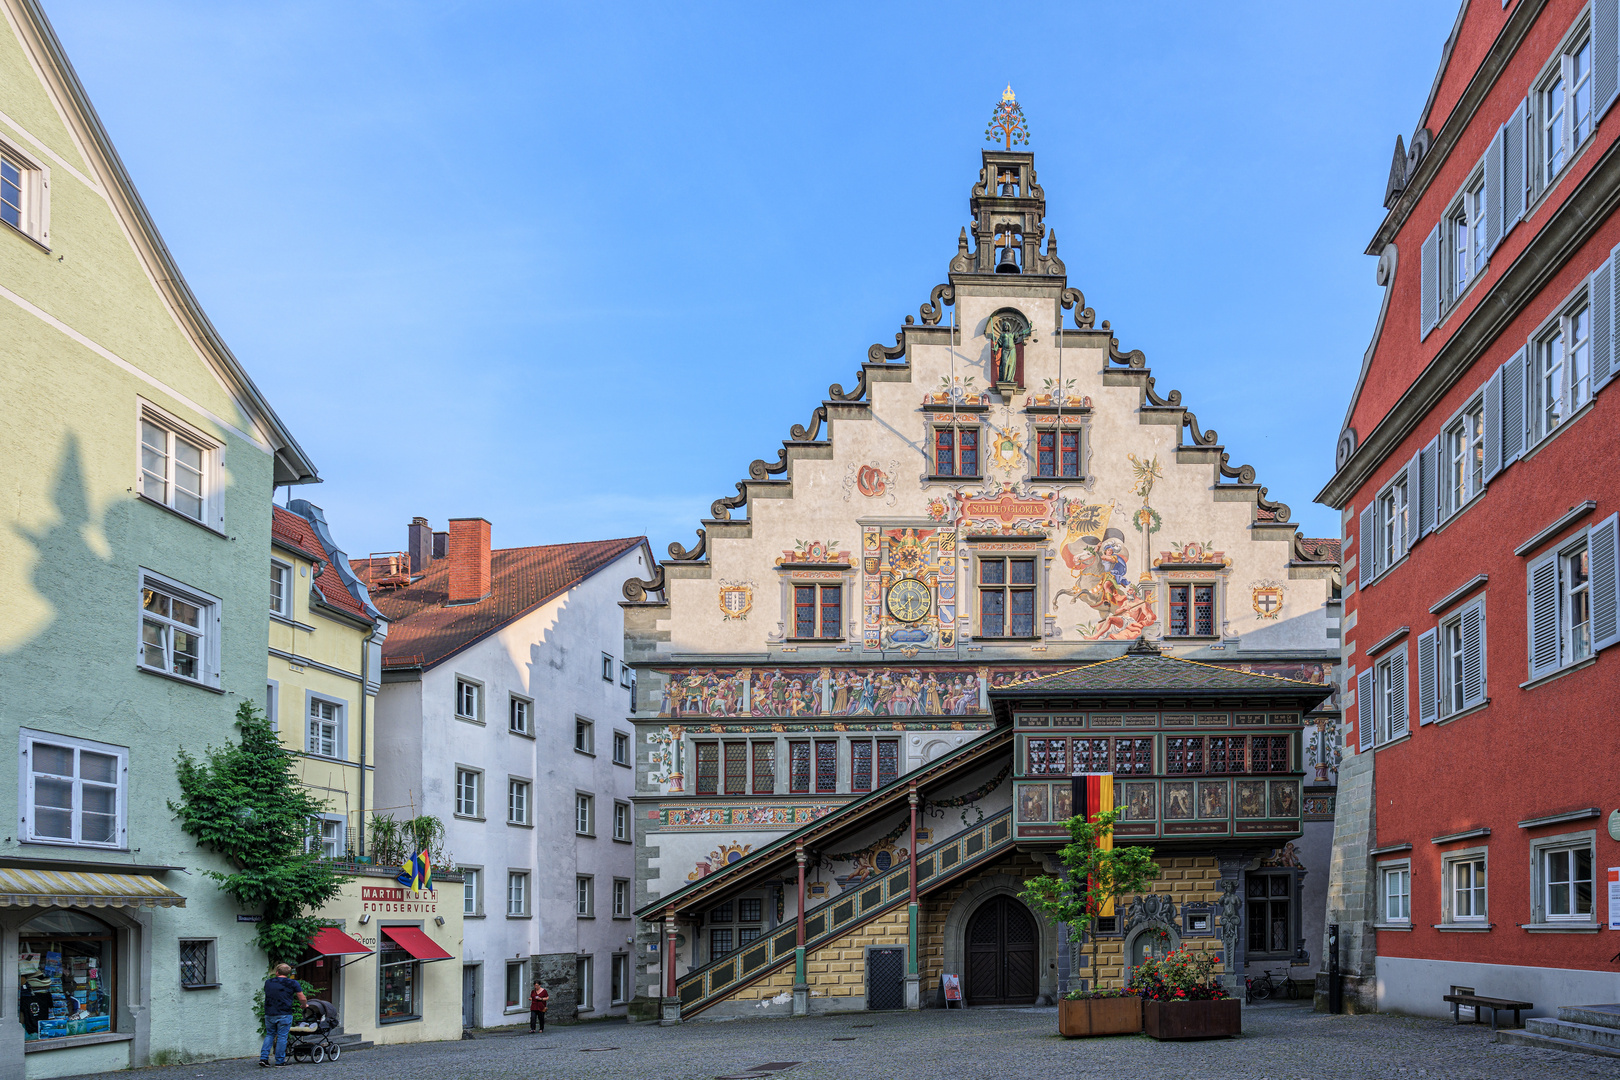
(139, 465)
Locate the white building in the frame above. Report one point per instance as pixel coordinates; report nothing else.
(502, 713)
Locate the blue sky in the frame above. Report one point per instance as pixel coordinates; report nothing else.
(572, 267)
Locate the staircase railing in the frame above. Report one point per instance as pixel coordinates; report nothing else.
(830, 919)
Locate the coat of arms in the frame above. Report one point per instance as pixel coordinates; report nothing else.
(1267, 599)
(736, 599)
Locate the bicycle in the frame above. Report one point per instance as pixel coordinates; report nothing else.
(1264, 987)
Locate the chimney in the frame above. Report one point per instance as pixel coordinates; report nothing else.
(419, 544)
(469, 560)
(441, 545)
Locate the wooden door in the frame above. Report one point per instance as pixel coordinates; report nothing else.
(1001, 947)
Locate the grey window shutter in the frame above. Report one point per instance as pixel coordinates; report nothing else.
(1513, 408)
(1366, 543)
(1513, 168)
(1427, 475)
(1605, 54)
(1429, 287)
(1399, 718)
(1439, 494)
(1414, 480)
(1428, 698)
(1366, 712)
(1603, 550)
(1601, 296)
(1493, 193)
(1473, 647)
(1493, 425)
(1599, 380)
(1542, 605)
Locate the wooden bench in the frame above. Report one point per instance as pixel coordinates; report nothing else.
(1477, 1003)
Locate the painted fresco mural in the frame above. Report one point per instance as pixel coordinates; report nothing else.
(786, 691)
(908, 598)
(703, 692)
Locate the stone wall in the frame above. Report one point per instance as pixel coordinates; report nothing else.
(1352, 900)
(556, 973)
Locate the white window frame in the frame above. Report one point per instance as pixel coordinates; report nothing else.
(1386, 871)
(1562, 125)
(519, 800)
(1387, 682)
(1574, 634)
(272, 703)
(464, 687)
(161, 490)
(584, 814)
(621, 898)
(517, 888)
(283, 606)
(517, 706)
(584, 736)
(209, 631)
(1461, 465)
(1561, 344)
(472, 892)
(317, 841)
(34, 189)
(585, 983)
(625, 976)
(340, 724)
(585, 896)
(477, 777)
(515, 967)
(624, 676)
(1539, 849)
(607, 667)
(1394, 510)
(1464, 235)
(621, 821)
(1452, 864)
(27, 737)
(621, 740)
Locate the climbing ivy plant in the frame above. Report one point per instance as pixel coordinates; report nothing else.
(244, 801)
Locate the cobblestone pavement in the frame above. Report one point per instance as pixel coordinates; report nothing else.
(1279, 1042)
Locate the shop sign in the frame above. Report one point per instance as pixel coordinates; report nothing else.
(386, 899)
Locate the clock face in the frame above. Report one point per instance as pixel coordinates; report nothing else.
(909, 600)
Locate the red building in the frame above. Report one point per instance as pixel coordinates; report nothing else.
(1477, 476)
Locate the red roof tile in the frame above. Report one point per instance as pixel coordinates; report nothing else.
(296, 530)
(423, 631)
(1321, 547)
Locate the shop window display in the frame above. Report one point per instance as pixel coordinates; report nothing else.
(399, 976)
(65, 976)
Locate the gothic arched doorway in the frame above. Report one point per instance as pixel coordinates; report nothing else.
(1002, 940)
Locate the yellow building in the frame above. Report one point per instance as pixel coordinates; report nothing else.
(391, 959)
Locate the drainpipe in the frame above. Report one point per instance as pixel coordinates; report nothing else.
(913, 979)
(365, 682)
(801, 989)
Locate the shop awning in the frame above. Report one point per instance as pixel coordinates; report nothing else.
(415, 942)
(72, 888)
(333, 942)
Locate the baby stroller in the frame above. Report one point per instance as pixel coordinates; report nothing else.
(311, 1040)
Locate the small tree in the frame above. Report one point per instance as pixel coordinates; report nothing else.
(244, 802)
(1094, 878)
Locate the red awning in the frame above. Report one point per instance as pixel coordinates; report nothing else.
(415, 942)
(334, 942)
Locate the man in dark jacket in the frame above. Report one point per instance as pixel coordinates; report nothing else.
(281, 994)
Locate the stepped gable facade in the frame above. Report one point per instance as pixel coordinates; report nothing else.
(1004, 494)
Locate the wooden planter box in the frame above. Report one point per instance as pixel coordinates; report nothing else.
(1099, 1016)
(1192, 1019)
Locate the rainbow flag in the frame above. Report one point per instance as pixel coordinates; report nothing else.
(417, 872)
(1093, 795)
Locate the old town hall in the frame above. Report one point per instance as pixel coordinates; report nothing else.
(1002, 557)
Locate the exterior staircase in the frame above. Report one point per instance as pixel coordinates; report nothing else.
(350, 1041)
(943, 862)
(1579, 1029)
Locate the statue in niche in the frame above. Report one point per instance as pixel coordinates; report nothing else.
(1008, 332)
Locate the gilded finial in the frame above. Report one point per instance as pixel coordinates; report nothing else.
(1007, 122)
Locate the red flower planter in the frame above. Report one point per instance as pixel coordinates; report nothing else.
(1192, 1019)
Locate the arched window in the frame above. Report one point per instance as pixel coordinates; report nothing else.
(66, 976)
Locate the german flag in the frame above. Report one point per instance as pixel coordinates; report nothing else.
(1094, 794)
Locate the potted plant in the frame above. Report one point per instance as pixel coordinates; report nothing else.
(1096, 876)
(1182, 999)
